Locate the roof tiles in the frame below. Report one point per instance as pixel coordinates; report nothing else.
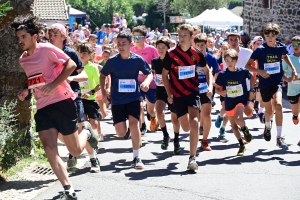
(50, 9)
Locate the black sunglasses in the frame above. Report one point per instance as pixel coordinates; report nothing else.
(267, 32)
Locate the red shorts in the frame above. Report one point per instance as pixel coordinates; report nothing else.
(232, 112)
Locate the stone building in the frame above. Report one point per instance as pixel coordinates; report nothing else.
(286, 13)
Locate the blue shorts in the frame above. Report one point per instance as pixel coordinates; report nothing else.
(150, 95)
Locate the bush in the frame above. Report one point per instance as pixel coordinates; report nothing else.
(12, 147)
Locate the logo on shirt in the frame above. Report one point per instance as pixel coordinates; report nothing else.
(176, 59)
(193, 58)
(229, 83)
(272, 58)
(38, 61)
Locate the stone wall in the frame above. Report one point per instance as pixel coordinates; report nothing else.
(12, 77)
(285, 13)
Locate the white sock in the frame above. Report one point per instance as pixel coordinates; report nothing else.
(71, 190)
(261, 110)
(136, 153)
(268, 124)
(93, 155)
(279, 130)
(86, 132)
(95, 131)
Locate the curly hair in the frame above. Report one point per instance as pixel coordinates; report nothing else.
(29, 23)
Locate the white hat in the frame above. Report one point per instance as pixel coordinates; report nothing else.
(257, 38)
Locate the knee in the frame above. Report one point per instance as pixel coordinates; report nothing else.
(160, 114)
(278, 106)
(185, 127)
(234, 126)
(193, 123)
(50, 149)
(75, 152)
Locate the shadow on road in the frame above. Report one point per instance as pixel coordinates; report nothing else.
(26, 185)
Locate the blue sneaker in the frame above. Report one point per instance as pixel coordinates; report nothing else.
(222, 132)
(219, 121)
(261, 117)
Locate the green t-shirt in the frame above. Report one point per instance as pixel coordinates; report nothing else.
(294, 86)
(93, 80)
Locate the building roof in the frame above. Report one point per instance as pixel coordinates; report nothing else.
(237, 10)
(50, 9)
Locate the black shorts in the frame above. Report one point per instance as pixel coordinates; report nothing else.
(163, 96)
(294, 99)
(204, 98)
(61, 115)
(91, 109)
(80, 110)
(267, 93)
(121, 112)
(181, 104)
(222, 98)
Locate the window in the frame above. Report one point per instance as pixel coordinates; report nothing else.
(267, 4)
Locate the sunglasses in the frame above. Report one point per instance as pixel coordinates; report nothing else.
(267, 32)
(296, 44)
(139, 37)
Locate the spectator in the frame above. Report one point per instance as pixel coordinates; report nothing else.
(150, 35)
(213, 35)
(93, 41)
(218, 41)
(288, 44)
(244, 39)
(157, 33)
(196, 30)
(101, 34)
(226, 35)
(123, 23)
(80, 32)
(87, 20)
(166, 33)
(74, 28)
(162, 27)
(211, 45)
(96, 30)
(172, 44)
(116, 21)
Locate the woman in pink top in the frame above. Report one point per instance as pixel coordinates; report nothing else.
(47, 69)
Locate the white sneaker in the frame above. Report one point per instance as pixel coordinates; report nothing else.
(95, 165)
(101, 138)
(192, 165)
(137, 163)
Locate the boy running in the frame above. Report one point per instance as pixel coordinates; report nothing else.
(124, 69)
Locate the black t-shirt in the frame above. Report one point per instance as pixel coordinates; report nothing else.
(74, 56)
(157, 66)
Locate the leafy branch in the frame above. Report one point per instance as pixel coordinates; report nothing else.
(5, 7)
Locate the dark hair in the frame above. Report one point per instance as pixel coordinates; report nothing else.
(140, 29)
(164, 40)
(29, 23)
(125, 34)
(85, 47)
(200, 38)
(232, 54)
(233, 34)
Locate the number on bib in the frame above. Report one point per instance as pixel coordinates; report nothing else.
(36, 81)
(234, 91)
(127, 85)
(84, 87)
(297, 81)
(272, 68)
(186, 72)
(203, 87)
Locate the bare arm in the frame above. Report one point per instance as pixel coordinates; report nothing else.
(166, 81)
(82, 76)
(290, 64)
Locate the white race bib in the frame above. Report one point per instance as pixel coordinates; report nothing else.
(234, 91)
(127, 85)
(297, 81)
(272, 68)
(158, 77)
(186, 72)
(203, 87)
(84, 87)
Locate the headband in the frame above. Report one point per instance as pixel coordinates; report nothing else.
(162, 42)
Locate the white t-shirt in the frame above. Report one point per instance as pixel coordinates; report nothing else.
(123, 23)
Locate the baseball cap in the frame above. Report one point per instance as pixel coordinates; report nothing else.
(242, 33)
(213, 32)
(59, 27)
(257, 38)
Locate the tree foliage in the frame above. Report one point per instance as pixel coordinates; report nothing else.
(163, 7)
(4, 8)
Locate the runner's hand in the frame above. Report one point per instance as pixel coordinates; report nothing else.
(223, 93)
(144, 87)
(69, 79)
(47, 89)
(295, 75)
(170, 99)
(264, 74)
(209, 93)
(23, 94)
(289, 79)
(85, 95)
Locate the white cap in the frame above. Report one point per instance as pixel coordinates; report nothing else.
(257, 38)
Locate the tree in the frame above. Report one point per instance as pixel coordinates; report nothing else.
(163, 7)
(4, 8)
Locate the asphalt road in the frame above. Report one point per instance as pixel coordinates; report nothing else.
(265, 172)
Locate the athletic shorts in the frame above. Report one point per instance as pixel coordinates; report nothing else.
(91, 109)
(267, 93)
(294, 99)
(80, 110)
(232, 112)
(61, 115)
(222, 98)
(163, 96)
(181, 104)
(149, 95)
(204, 98)
(121, 112)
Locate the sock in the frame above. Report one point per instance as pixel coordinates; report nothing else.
(243, 128)
(241, 142)
(165, 132)
(295, 117)
(69, 188)
(279, 130)
(223, 126)
(176, 137)
(95, 131)
(70, 156)
(143, 126)
(221, 117)
(135, 153)
(268, 124)
(93, 155)
(261, 110)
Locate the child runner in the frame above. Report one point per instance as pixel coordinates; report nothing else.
(47, 69)
(125, 94)
(233, 82)
(163, 44)
(269, 57)
(182, 88)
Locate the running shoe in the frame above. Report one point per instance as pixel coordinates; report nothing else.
(267, 134)
(261, 117)
(101, 138)
(71, 162)
(256, 106)
(219, 121)
(201, 130)
(241, 151)
(295, 120)
(92, 137)
(205, 146)
(222, 132)
(213, 104)
(298, 144)
(143, 130)
(247, 134)
(148, 115)
(165, 143)
(95, 165)
(281, 143)
(127, 135)
(137, 163)
(177, 149)
(68, 196)
(192, 165)
(153, 126)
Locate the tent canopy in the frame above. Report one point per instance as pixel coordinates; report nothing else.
(222, 16)
(76, 13)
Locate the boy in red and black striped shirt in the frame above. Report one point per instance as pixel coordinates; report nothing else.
(182, 88)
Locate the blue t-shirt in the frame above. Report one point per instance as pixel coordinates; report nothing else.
(270, 59)
(101, 35)
(124, 74)
(74, 56)
(294, 86)
(234, 82)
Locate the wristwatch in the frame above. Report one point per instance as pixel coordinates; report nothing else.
(93, 92)
(252, 90)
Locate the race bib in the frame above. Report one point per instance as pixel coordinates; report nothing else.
(234, 91)
(101, 40)
(84, 87)
(36, 81)
(127, 85)
(158, 80)
(272, 68)
(297, 81)
(186, 72)
(203, 88)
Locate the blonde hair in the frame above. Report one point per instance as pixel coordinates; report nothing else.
(232, 54)
(186, 27)
(218, 54)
